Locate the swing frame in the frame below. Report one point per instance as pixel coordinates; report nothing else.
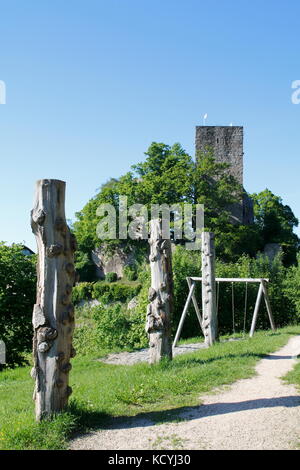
(262, 291)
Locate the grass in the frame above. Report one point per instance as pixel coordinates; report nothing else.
(293, 377)
(103, 391)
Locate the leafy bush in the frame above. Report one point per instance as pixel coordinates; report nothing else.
(292, 287)
(113, 326)
(123, 292)
(137, 336)
(105, 291)
(85, 340)
(130, 273)
(114, 292)
(82, 291)
(85, 267)
(99, 289)
(17, 296)
(111, 277)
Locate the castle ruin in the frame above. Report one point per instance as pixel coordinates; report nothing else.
(226, 143)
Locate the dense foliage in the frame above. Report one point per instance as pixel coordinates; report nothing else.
(17, 296)
(111, 277)
(114, 326)
(111, 325)
(169, 175)
(105, 291)
(292, 286)
(275, 222)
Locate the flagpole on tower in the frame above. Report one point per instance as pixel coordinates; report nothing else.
(204, 118)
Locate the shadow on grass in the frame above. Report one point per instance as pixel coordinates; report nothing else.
(95, 421)
(90, 420)
(87, 419)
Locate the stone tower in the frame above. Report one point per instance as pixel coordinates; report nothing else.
(226, 143)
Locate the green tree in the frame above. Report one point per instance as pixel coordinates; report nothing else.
(276, 222)
(164, 177)
(85, 229)
(17, 296)
(169, 175)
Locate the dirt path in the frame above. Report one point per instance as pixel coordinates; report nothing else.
(257, 413)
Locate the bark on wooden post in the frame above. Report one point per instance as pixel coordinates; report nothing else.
(160, 309)
(53, 314)
(209, 309)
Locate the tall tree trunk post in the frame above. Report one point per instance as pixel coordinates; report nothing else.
(209, 309)
(160, 308)
(53, 313)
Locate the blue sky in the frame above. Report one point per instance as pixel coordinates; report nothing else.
(90, 84)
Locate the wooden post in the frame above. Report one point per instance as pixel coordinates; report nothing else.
(160, 309)
(256, 309)
(186, 306)
(209, 309)
(196, 305)
(191, 296)
(268, 305)
(53, 314)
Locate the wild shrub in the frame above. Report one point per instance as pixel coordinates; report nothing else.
(17, 297)
(82, 291)
(292, 288)
(130, 273)
(99, 289)
(111, 277)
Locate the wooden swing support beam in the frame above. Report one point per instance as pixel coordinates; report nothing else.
(262, 291)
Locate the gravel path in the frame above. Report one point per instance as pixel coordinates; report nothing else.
(258, 413)
(129, 358)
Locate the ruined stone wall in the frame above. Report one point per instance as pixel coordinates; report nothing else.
(113, 262)
(226, 143)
